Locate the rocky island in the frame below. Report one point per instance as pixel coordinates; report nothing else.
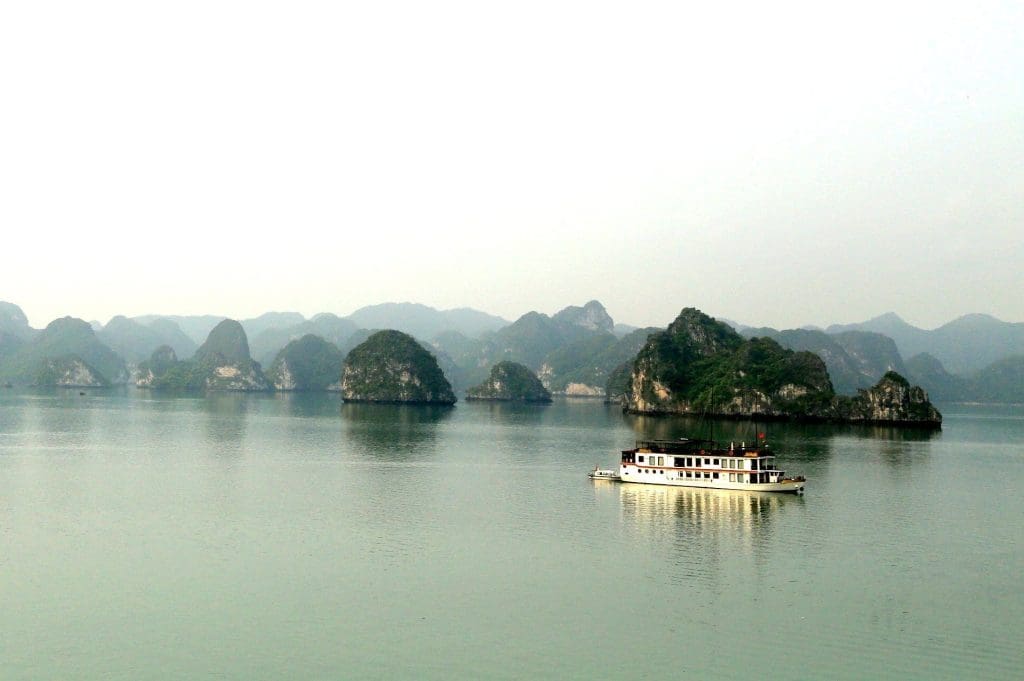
(510, 382)
(701, 366)
(221, 363)
(391, 367)
(66, 353)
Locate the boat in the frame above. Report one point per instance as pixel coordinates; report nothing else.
(706, 463)
(604, 474)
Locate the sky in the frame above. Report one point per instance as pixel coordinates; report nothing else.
(775, 164)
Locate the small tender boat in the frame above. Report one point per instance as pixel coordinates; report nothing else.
(604, 474)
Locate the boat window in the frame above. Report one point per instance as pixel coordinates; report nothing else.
(732, 477)
(696, 462)
(640, 458)
(716, 462)
(716, 475)
(753, 464)
(661, 461)
(679, 462)
(707, 475)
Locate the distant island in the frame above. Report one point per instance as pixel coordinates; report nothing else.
(510, 382)
(579, 351)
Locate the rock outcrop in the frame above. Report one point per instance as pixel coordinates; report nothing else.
(390, 366)
(592, 317)
(891, 401)
(510, 382)
(309, 363)
(221, 363)
(700, 365)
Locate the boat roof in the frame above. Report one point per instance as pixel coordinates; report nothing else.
(693, 445)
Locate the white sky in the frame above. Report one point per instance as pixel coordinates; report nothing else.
(773, 163)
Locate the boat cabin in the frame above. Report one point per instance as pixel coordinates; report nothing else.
(693, 460)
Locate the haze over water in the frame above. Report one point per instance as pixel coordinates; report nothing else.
(288, 536)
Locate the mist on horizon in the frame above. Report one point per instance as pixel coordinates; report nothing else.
(781, 165)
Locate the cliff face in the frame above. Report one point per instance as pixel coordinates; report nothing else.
(510, 382)
(699, 365)
(390, 366)
(162, 359)
(69, 372)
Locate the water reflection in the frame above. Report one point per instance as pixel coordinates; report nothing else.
(729, 430)
(704, 529)
(308, 404)
(393, 431)
(513, 413)
(227, 416)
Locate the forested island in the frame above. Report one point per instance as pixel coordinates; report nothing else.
(725, 368)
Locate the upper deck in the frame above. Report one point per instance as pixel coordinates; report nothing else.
(695, 446)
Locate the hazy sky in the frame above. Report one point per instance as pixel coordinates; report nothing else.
(773, 163)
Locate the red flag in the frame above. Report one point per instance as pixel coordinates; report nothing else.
(760, 436)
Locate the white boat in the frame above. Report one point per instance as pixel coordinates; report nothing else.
(704, 463)
(604, 474)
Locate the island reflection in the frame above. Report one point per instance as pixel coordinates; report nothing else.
(393, 431)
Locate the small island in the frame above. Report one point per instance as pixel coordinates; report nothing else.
(510, 382)
(391, 367)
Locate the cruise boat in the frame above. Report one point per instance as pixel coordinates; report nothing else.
(705, 463)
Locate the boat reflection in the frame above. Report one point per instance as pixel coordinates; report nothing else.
(702, 531)
(700, 506)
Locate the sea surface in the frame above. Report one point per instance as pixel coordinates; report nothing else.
(293, 537)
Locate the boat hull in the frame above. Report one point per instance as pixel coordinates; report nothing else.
(785, 486)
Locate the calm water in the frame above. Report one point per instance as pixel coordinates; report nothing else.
(290, 537)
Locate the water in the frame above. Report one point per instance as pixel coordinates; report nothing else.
(281, 537)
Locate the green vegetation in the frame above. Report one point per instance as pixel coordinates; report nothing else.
(226, 344)
(68, 371)
(60, 339)
(701, 365)
(221, 363)
(309, 363)
(854, 359)
(510, 381)
(390, 366)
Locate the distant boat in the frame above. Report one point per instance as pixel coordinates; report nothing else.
(603, 474)
(705, 463)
